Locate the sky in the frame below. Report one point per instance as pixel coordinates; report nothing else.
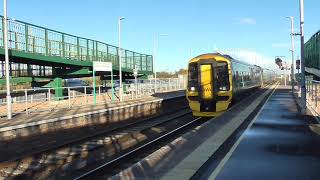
(252, 30)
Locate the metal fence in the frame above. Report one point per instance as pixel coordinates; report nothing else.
(38, 40)
(313, 92)
(43, 99)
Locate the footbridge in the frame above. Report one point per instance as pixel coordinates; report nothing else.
(38, 54)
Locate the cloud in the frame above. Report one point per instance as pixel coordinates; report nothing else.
(247, 20)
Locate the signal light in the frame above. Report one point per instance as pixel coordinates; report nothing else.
(298, 64)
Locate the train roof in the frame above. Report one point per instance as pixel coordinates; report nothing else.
(313, 36)
(228, 57)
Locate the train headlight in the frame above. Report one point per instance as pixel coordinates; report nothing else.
(192, 88)
(223, 88)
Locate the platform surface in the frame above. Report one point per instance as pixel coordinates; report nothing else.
(281, 144)
(22, 120)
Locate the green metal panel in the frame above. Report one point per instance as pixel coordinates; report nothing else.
(78, 48)
(58, 84)
(26, 37)
(46, 42)
(49, 59)
(87, 50)
(2, 31)
(63, 46)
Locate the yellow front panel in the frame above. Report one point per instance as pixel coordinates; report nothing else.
(206, 81)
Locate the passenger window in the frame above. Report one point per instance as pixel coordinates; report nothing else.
(222, 76)
(193, 77)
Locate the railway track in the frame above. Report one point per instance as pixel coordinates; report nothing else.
(96, 153)
(83, 152)
(114, 166)
(137, 156)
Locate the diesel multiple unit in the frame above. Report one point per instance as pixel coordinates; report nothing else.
(215, 80)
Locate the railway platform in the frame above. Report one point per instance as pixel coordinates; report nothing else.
(280, 144)
(264, 137)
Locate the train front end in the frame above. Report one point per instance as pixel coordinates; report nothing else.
(209, 90)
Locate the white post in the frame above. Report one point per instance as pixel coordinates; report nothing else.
(155, 43)
(292, 54)
(120, 59)
(26, 99)
(6, 56)
(85, 94)
(69, 98)
(136, 86)
(49, 96)
(303, 83)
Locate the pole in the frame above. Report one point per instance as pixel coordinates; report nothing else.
(285, 74)
(155, 42)
(303, 83)
(120, 58)
(112, 85)
(136, 85)
(292, 54)
(94, 87)
(6, 55)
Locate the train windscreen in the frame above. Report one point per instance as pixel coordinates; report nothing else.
(222, 76)
(193, 77)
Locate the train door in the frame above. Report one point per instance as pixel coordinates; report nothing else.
(207, 102)
(206, 81)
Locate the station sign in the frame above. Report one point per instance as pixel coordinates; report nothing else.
(102, 66)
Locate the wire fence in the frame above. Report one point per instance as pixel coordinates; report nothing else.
(313, 92)
(43, 99)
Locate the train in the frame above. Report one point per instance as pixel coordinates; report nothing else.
(312, 56)
(216, 80)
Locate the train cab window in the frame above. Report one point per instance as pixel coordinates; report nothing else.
(193, 77)
(222, 76)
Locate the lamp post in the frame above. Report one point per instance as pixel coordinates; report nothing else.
(155, 56)
(120, 58)
(292, 54)
(303, 83)
(6, 56)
